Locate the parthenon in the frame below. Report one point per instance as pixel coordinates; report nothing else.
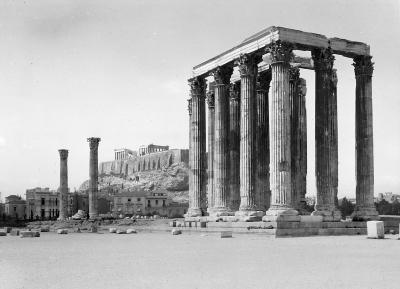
(257, 134)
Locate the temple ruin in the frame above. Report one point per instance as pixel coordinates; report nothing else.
(257, 132)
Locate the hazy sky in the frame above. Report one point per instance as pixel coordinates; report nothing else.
(118, 70)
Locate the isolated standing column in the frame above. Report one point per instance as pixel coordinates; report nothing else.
(94, 174)
(63, 183)
(365, 209)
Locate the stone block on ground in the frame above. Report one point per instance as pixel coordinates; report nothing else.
(3, 234)
(45, 229)
(14, 233)
(176, 232)
(375, 230)
(7, 229)
(226, 234)
(93, 229)
(62, 231)
(112, 230)
(36, 234)
(27, 234)
(120, 231)
(131, 231)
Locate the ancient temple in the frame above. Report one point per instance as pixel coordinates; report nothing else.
(257, 134)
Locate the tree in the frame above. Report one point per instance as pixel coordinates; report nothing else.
(346, 208)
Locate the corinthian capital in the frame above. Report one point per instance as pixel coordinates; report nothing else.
(247, 65)
(94, 142)
(63, 154)
(234, 91)
(211, 99)
(222, 74)
(363, 65)
(280, 51)
(323, 58)
(197, 86)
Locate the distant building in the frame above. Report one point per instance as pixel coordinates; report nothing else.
(43, 203)
(144, 203)
(151, 148)
(15, 207)
(2, 212)
(124, 154)
(388, 196)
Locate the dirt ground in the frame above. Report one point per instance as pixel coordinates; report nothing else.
(160, 260)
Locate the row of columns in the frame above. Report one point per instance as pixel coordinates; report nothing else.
(120, 155)
(93, 179)
(257, 134)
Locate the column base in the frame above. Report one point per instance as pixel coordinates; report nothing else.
(328, 215)
(220, 212)
(281, 214)
(249, 215)
(194, 212)
(365, 214)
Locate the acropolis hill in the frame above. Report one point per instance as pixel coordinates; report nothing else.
(150, 168)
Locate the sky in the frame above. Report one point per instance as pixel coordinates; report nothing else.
(118, 70)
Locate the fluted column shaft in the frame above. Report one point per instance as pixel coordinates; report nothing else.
(365, 208)
(326, 157)
(280, 146)
(63, 184)
(302, 176)
(294, 79)
(222, 77)
(93, 174)
(263, 191)
(190, 146)
(234, 145)
(197, 191)
(248, 200)
(210, 166)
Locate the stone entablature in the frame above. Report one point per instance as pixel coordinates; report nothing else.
(154, 161)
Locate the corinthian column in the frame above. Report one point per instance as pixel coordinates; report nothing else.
(325, 136)
(197, 190)
(210, 166)
(94, 174)
(63, 184)
(302, 175)
(190, 145)
(222, 76)
(248, 202)
(234, 145)
(365, 209)
(280, 146)
(263, 192)
(294, 79)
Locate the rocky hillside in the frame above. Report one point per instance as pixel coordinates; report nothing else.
(174, 180)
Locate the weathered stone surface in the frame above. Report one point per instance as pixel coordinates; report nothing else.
(376, 229)
(120, 231)
(27, 234)
(3, 234)
(45, 229)
(112, 230)
(176, 232)
(62, 231)
(226, 234)
(131, 231)
(14, 233)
